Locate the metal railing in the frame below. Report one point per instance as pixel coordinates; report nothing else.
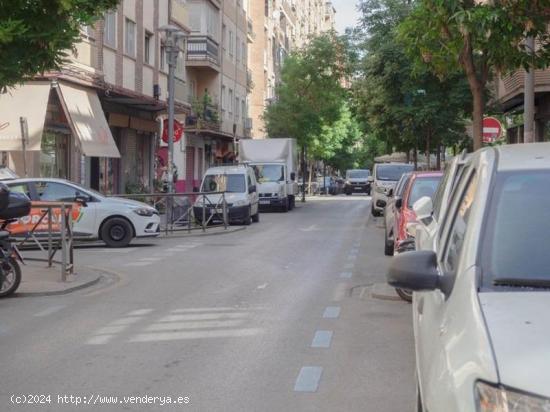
(58, 217)
(182, 211)
(202, 48)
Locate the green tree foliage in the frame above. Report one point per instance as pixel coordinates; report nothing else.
(476, 38)
(38, 35)
(310, 95)
(403, 107)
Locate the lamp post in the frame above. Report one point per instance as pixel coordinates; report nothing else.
(173, 34)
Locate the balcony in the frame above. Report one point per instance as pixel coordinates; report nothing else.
(248, 126)
(511, 87)
(203, 51)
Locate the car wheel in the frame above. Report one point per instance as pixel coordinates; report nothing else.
(291, 203)
(374, 212)
(256, 217)
(248, 219)
(117, 232)
(285, 207)
(11, 278)
(404, 294)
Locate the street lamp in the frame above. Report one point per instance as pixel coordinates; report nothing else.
(173, 34)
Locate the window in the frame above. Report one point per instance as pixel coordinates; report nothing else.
(56, 192)
(147, 52)
(243, 111)
(130, 38)
(231, 183)
(109, 33)
(244, 53)
(21, 188)
(230, 103)
(224, 99)
(231, 44)
(224, 37)
(237, 108)
(238, 52)
(438, 197)
(457, 230)
(422, 186)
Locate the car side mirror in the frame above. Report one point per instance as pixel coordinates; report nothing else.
(82, 199)
(252, 189)
(423, 208)
(398, 203)
(293, 176)
(415, 270)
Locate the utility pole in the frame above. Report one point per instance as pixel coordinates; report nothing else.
(529, 95)
(173, 34)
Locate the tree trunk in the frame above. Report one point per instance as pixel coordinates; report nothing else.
(479, 108)
(415, 156)
(304, 171)
(438, 158)
(428, 149)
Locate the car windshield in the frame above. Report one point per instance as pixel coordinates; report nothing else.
(392, 172)
(269, 173)
(423, 186)
(233, 183)
(516, 243)
(357, 174)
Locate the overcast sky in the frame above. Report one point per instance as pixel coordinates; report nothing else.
(346, 14)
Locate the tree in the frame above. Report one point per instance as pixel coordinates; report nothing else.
(38, 35)
(310, 94)
(404, 108)
(476, 38)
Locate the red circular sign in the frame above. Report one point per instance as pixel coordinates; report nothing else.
(178, 131)
(492, 129)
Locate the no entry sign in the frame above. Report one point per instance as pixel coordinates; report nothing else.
(492, 129)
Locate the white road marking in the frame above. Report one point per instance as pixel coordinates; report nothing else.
(346, 275)
(49, 311)
(262, 286)
(100, 339)
(191, 310)
(185, 335)
(151, 259)
(111, 330)
(205, 324)
(139, 312)
(308, 379)
(322, 339)
(137, 264)
(331, 312)
(312, 228)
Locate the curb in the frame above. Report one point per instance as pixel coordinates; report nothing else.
(182, 234)
(63, 292)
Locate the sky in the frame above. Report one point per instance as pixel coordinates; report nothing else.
(346, 14)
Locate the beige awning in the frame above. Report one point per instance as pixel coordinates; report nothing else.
(30, 101)
(87, 120)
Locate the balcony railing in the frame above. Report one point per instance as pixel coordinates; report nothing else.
(203, 48)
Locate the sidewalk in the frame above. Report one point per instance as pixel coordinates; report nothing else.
(39, 280)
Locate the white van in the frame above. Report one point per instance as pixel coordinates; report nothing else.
(238, 182)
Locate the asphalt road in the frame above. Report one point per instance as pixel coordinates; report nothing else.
(277, 317)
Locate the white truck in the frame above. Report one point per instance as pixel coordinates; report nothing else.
(275, 162)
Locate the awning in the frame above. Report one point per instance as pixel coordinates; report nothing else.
(29, 101)
(87, 120)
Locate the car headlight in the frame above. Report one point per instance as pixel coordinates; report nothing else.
(380, 189)
(491, 398)
(242, 202)
(145, 211)
(410, 228)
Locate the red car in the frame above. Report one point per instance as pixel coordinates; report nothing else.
(420, 184)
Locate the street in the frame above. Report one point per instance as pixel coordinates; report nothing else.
(279, 316)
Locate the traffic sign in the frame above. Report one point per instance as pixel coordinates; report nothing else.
(492, 129)
(178, 131)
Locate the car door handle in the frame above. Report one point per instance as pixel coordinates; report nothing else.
(420, 306)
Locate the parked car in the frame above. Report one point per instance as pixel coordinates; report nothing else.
(431, 210)
(357, 181)
(384, 178)
(390, 210)
(402, 225)
(113, 220)
(331, 185)
(241, 195)
(482, 295)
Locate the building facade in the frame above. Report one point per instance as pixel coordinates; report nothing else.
(279, 27)
(98, 121)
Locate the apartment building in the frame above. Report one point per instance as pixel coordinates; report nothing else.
(509, 96)
(279, 26)
(98, 120)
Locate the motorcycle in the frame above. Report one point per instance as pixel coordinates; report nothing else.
(405, 246)
(12, 206)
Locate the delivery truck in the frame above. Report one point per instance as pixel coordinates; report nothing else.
(275, 162)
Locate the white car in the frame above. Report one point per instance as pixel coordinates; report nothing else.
(384, 178)
(238, 185)
(482, 298)
(115, 221)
